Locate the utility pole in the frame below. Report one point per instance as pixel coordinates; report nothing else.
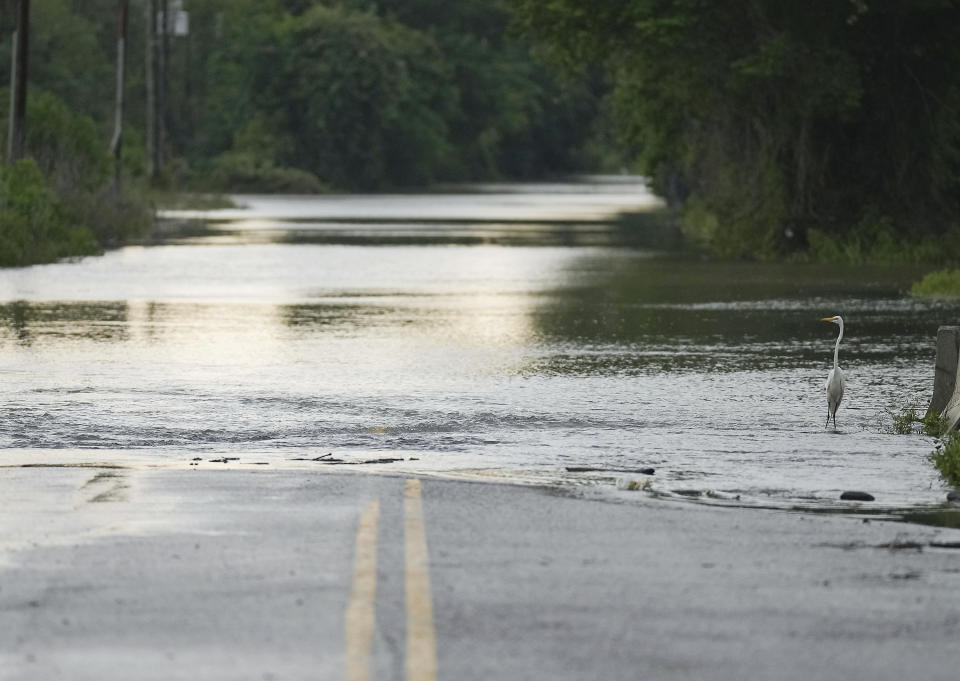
(162, 82)
(17, 133)
(116, 142)
(153, 160)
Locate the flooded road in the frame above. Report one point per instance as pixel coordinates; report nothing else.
(511, 333)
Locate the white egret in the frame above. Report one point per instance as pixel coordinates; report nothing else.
(835, 380)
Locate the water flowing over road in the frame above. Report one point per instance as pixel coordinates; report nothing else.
(513, 332)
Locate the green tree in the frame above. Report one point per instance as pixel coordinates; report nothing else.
(514, 117)
(772, 116)
(272, 94)
(368, 94)
(365, 98)
(67, 56)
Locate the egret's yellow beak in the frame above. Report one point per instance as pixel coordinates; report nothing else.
(829, 319)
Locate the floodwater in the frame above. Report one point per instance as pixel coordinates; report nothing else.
(510, 332)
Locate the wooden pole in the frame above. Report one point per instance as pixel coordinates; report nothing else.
(17, 133)
(163, 53)
(151, 78)
(116, 142)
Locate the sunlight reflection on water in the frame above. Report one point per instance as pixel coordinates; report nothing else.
(514, 361)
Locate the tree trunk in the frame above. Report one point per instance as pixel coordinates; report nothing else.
(17, 134)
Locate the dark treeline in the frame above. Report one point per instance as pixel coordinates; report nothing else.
(774, 127)
(275, 96)
(784, 124)
(297, 95)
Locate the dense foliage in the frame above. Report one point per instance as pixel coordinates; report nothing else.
(61, 201)
(33, 223)
(301, 95)
(770, 117)
(825, 129)
(372, 95)
(279, 96)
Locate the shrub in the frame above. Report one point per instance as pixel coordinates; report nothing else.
(246, 172)
(112, 216)
(34, 227)
(61, 201)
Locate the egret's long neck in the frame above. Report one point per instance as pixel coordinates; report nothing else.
(836, 349)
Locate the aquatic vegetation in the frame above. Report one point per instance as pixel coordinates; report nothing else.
(946, 458)
(909, 422)
(903, 421)
(940, 284)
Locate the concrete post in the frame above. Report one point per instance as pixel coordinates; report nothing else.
(946, 397)
(952, 412)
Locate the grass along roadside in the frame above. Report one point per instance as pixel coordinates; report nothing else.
(946, 457)
(946, 453)
(908, 421)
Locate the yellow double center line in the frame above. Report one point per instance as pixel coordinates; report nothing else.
(360, 610)
(421, 636)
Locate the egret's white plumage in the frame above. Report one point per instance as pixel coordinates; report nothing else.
(835, 379)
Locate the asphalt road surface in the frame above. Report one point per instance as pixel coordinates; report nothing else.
(140, 573)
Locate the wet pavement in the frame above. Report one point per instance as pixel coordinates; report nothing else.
(211, 572)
